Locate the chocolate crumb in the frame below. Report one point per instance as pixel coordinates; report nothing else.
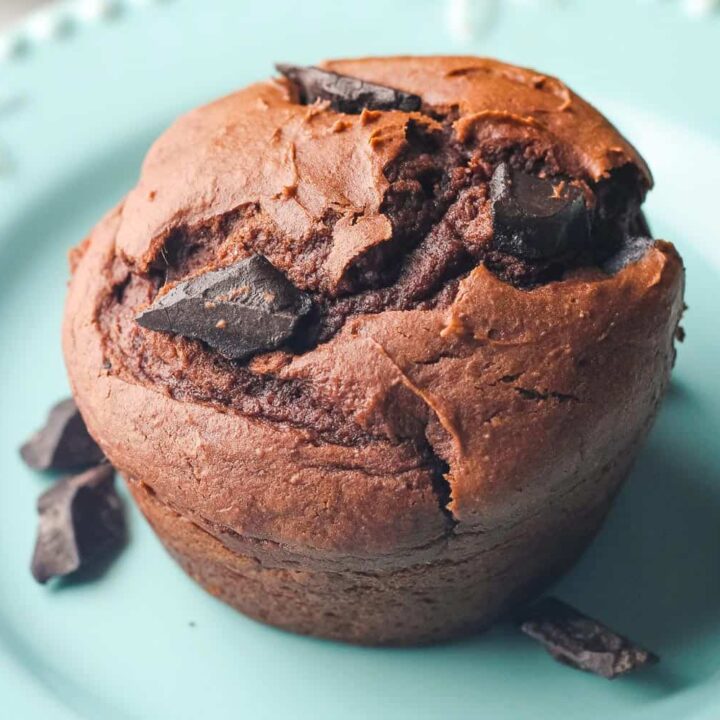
(63, 443)
(81, 523)
(346, 94)
(581, 642)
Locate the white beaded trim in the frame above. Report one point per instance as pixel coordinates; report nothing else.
(700, 8)
(43, 26)
(468, 20)
(60, 21)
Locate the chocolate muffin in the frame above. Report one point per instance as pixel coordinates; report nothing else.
(374, 344)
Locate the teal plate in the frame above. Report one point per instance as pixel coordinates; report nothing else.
(83, 90)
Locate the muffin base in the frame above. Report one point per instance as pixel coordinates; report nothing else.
(474, 580)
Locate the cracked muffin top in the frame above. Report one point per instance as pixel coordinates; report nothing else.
(443, 348)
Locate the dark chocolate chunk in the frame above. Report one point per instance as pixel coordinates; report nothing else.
(581, 642)
(63, 443)
(240, 310)
(632, 250)
(536, 218)
(346, 94)
(639, 225)
(81, 523)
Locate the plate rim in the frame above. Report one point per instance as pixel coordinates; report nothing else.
(29, 35)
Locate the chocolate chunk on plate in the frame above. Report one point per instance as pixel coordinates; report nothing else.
(63, 443)
(240, 310)
(346, 94)
(536, 218)
(581, 642)
(81, 524)
(631, 250)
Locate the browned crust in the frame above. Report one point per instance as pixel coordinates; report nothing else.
(494, 413)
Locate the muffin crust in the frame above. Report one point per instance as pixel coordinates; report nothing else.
(449, 405)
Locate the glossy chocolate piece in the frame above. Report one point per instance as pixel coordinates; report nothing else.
(81, 523)
(346, 94)
(535, 218)
(240, 310)
(631, 250)
(63, 443)
(581, 642)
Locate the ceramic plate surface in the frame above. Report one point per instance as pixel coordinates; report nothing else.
(83, 91)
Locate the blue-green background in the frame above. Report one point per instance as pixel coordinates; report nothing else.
(76, 116)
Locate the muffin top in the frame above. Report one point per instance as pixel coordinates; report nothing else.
(436, 335)
(332, 198)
